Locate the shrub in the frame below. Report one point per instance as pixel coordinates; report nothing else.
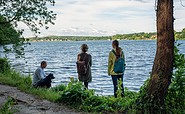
(75, 93)
(175, 100)
(4, 65)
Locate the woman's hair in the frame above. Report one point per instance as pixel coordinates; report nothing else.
(116, 44)
(84, 47)
(43, 62)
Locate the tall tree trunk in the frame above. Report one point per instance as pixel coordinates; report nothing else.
(163, 64)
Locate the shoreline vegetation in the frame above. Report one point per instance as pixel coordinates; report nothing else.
(133, 36)
(76, 96)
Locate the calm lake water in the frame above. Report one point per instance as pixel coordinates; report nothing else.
(61, 58)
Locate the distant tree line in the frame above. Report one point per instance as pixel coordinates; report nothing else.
(136, 36)
(180, 35)
(132, 36)
(147, 36)
(69, 38)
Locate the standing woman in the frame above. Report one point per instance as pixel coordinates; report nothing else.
(83, 56)
(114, 54)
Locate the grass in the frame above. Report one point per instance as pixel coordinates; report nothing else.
(23, 83)
(73, 95)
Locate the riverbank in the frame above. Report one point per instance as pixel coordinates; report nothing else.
(30, 104)
(73, 95)
(82, 99)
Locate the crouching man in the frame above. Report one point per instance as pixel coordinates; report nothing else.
(40, 79)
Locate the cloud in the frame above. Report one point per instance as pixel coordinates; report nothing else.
(107, 17)
(143, 1)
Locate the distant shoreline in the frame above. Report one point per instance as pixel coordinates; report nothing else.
(132, 36)
(76, 38)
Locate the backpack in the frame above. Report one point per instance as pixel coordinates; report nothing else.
(119, 65)
(81, 66)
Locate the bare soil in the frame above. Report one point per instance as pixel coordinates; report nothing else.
(29, 104)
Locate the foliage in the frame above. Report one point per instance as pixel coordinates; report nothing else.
(175, 100)
(34, 13)
(7, 107)
(119, 92)
(69, 38)
(142, 105)
(13, 78)
(24, 83)
(17, 49)
(8, 34)
(58, 88)
(145, 36)
(75, 93)
(135, 36)
(4, 65)
(109, 104)
(180, 35)
(132, 36)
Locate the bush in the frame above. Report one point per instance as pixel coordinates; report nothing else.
(175, 100)
(4, 65)
(75, 93)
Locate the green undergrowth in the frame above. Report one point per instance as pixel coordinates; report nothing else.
(175, 100)
(7, 107)
(75, 95)
(23, 83)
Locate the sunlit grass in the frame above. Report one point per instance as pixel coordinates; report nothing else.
(74, 94)
(23, 83)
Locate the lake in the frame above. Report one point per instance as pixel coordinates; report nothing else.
(61, 58)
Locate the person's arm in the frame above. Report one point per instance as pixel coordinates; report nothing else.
(78, 57)
(90, 62)
(41, 73)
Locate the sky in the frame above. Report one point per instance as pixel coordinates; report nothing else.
(107, 17)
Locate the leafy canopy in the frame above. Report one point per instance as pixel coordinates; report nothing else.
(34, 13)
(8, 34)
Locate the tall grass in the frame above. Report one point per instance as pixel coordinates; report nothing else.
(24, 83)
(74, 94)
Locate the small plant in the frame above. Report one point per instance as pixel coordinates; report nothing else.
(59, 88)
(75, 93)
(119, 92)
(7, 107)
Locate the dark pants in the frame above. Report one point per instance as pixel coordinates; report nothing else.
(86, 84)
(43, 83)
(115, 79)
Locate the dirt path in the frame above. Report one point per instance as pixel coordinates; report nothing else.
(28, 104)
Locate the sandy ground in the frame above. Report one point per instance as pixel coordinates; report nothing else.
(29, 104)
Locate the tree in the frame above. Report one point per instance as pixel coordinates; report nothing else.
(8, 34)
(160, 79)
(34, 13)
